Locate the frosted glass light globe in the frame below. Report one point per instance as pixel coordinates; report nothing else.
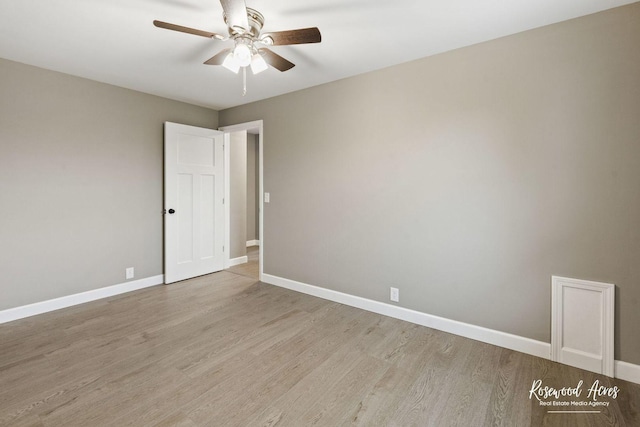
(242, 54)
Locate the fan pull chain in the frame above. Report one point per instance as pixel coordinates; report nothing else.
(244, 81)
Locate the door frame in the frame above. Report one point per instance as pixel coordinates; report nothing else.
(256, 124)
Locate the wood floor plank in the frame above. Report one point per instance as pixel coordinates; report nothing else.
(252, 267)
(295, 403)
(503, 390)
(272, 374)
(341, 402)
(177, 419)
(87, 409)
(225, 349)
(422, 401)
(29, 421)
(464, 401)
(379, 405)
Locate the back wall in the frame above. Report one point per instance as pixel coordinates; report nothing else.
(467, 179)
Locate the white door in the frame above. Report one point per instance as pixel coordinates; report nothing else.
(193, 201)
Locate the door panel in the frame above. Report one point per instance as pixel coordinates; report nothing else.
(207, 210)
(194, 232)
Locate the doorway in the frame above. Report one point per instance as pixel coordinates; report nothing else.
(243, 151)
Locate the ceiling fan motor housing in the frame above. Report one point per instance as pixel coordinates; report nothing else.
(256, 21)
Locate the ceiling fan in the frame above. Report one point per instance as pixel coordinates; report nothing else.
(250, 46)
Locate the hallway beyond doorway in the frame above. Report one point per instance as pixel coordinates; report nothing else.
(250, 268)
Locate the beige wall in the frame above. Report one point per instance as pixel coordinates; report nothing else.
(80, 182)
(467, 179)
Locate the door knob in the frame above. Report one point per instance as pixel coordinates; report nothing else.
(171, 211)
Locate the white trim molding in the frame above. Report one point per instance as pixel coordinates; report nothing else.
(238, 261)
(253, 243)
(227, 200)
(479, 333)
(627, 371)
(21, 312)
(582, 324)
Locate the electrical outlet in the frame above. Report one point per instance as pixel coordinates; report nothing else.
(128, 273)
(394, 294)
(267, 196)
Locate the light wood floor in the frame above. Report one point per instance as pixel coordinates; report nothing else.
(226, 350)
(251, 268)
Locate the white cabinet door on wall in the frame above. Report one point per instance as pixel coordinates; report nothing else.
(194, 191)
(582, 317)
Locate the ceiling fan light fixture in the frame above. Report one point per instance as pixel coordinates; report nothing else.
(258, 64)
(231, 64)
(242, 53)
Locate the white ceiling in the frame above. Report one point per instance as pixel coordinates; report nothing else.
(114, 41)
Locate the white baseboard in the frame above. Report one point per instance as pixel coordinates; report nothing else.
(253, 243)
(479, 333)
(75, 299)
(238, 261)
(627, 371)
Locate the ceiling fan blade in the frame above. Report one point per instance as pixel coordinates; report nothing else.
(301, 36)
(188, 30)
(275, 60)
(219, 58)
(235, 12)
